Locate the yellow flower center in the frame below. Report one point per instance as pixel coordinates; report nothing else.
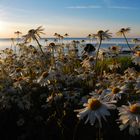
(135, 108)
(94, 104)
(138, 53)
(52, 44)
(34, 51)
(114, 48)
(115, 90)
(103, 53)
(130, 78)
(18, 69)
(0, 61)
(100, 32)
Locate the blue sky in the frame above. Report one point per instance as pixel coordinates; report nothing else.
(77, 17)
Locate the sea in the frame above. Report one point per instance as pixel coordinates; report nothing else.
(8, 43)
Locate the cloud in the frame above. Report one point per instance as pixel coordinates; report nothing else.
(106, 4)
(99, 7)
(85, 7)
(122, 7)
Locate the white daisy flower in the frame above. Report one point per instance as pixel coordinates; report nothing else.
(98, 93)
(130, 71)
(94, 110)
(130, 116)
(88, 63)
(114, 65)
(114, 94)
(115, 49)
(136, 58)
(103, 54)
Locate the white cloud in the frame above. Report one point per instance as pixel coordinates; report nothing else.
(85, 7)
(122, 7)
(99, 6)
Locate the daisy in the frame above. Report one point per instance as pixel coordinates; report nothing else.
(103, 54)
(136, 48)
(35, 35)
(94, 110)
(115, 49)
(114, 65)
(123, 32)
(130, 79)
(101, 35)
(88, 63)
(130, 71)
(136, 58)
(98, 93)
(89, 50)
(130, 117)
(113, 94)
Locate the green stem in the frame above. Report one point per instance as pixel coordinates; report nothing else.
(15, 49)
(127, 42)
(96, 59)
(102, 67)
(99, 135)
(75, 130)
(40, 47)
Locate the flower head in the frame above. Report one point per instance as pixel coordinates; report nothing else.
(114, 94)
(123, 30)
(33, 34)
(136, 40)
(135, 108)
(94, 110)
(136, 58)
(93, 104)
(102, 35)
(130, 117)
(115, 49)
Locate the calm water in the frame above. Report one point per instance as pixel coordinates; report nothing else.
(7, 43)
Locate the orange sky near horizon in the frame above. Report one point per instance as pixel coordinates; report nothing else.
(7, 30)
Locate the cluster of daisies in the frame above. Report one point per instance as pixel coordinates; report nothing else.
(120, 92)
(65, 78)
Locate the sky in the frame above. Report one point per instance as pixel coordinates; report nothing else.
(78, 18)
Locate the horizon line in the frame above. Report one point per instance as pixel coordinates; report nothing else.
(64, 37)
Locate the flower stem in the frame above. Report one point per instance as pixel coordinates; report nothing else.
(40, 47)
(99, 134)
(127, 41)
(75, 130)
(96, 59)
